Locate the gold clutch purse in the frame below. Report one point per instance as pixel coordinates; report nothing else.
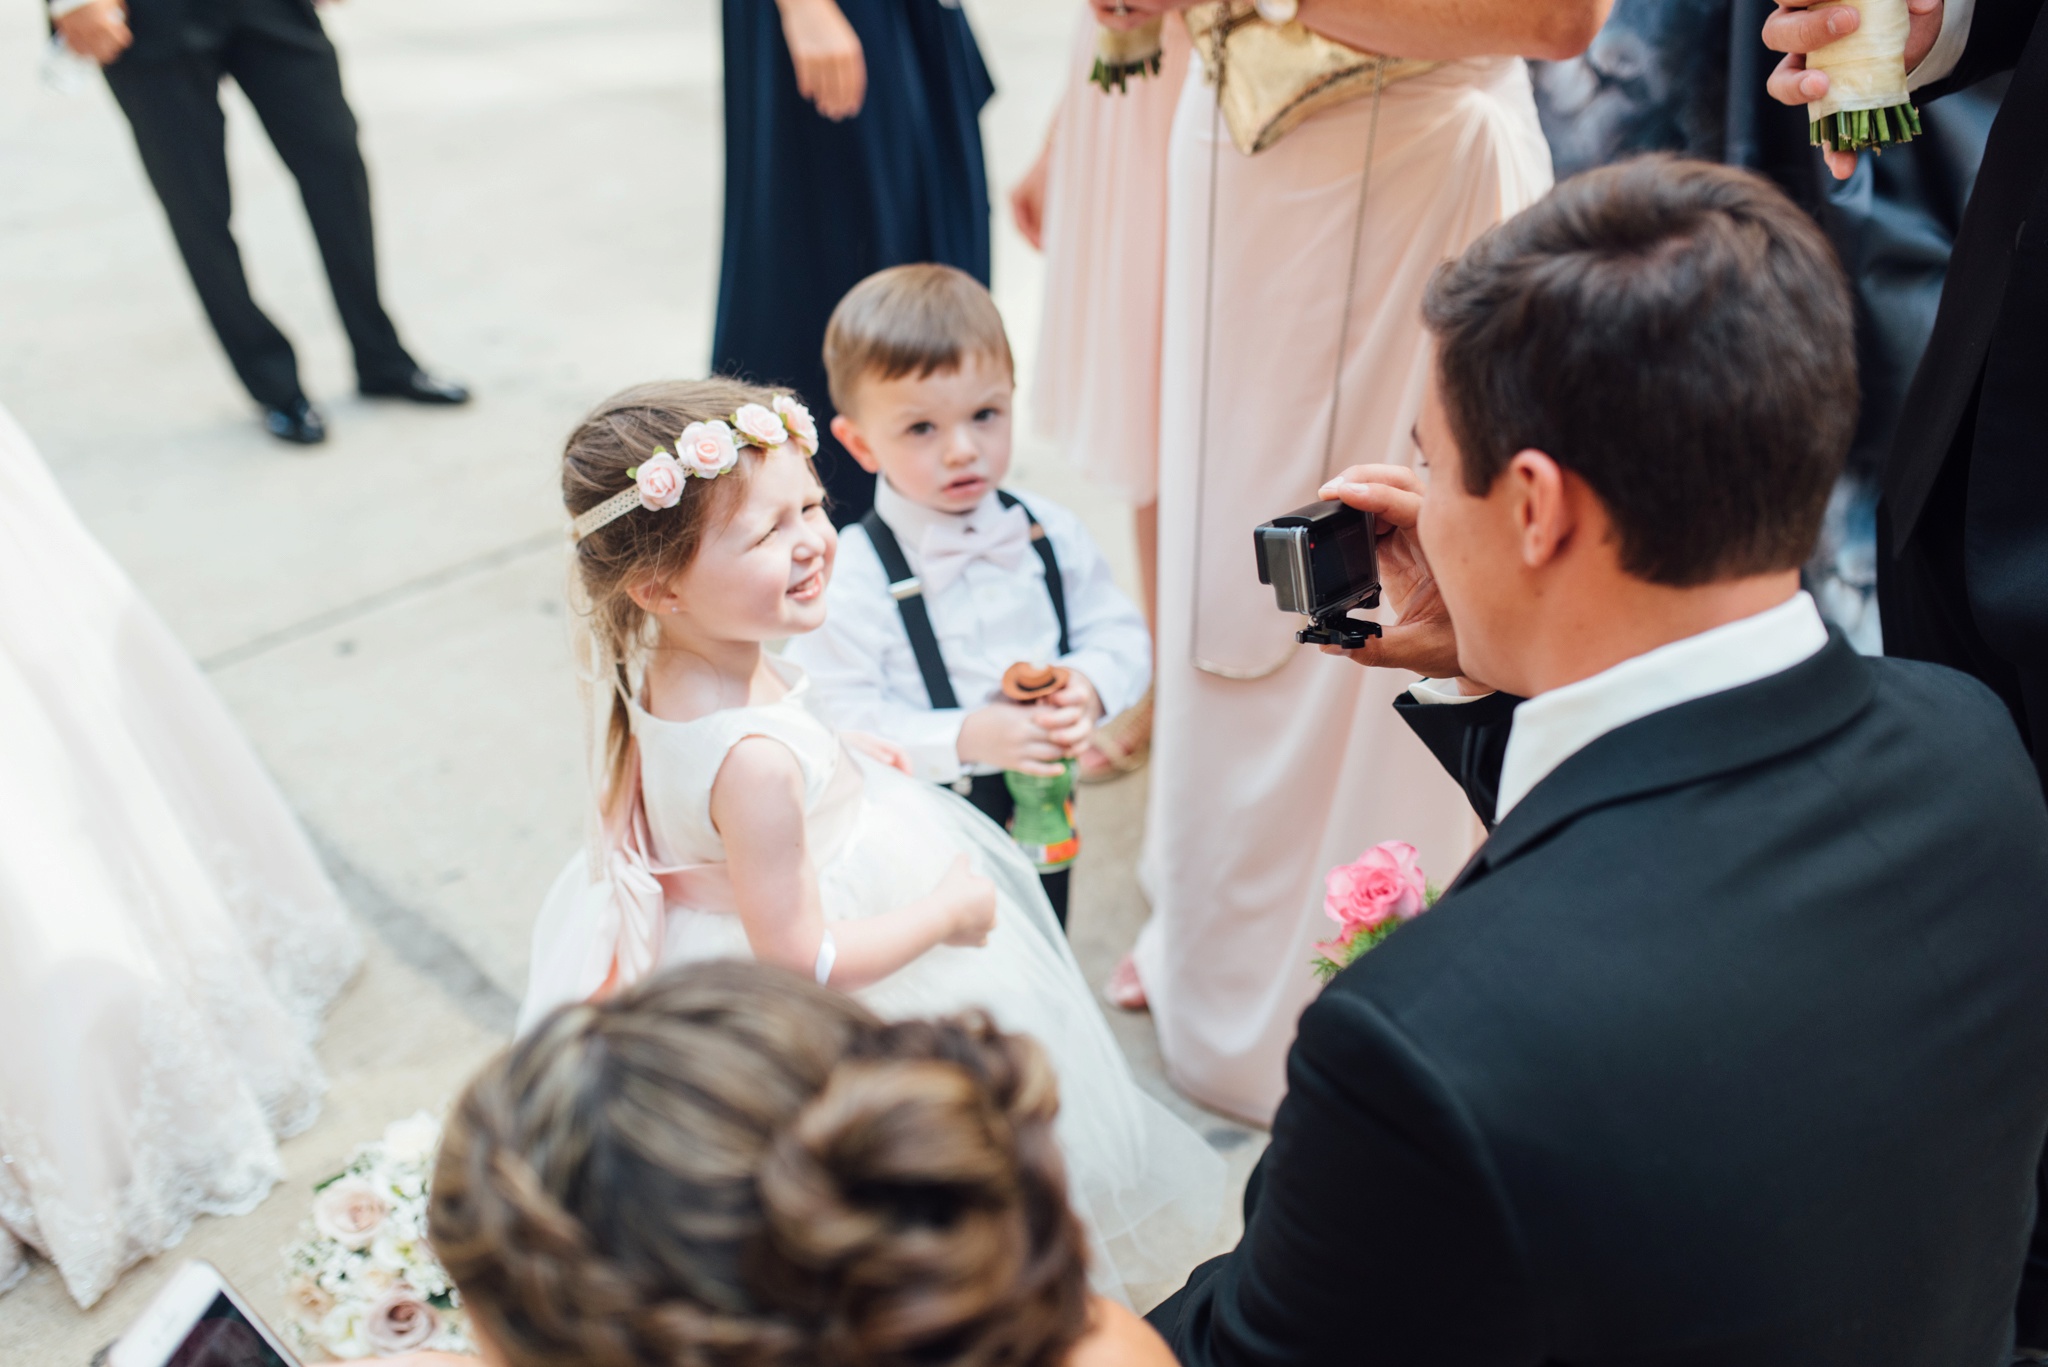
(1271, 77)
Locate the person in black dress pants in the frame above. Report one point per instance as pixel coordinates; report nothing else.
(1729, 1044)
(852, 143)
(1963, 527)
(164, 61)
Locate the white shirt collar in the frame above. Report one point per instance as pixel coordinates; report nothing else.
(910, 521)
(1552, 727)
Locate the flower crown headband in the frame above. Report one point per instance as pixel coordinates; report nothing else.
(706, 450)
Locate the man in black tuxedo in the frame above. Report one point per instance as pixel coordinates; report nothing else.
(1963, 574)
(1729, 1046)
(164, 61)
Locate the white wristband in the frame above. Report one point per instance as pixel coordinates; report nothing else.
(60, 8)
(828, 954)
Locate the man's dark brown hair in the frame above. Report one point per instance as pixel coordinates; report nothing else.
(1676, 333)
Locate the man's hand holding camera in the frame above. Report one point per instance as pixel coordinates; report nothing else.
(1421, 637)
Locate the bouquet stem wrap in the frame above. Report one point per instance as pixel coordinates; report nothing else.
(1866, 104)
(1121, 54)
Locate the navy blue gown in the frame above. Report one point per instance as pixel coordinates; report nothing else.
(812, 206)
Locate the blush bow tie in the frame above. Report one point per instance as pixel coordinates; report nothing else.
(1002, 537)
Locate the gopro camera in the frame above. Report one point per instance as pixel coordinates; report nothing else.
(1323, 561)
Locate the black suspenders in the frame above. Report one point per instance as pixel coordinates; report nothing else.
(909, 595)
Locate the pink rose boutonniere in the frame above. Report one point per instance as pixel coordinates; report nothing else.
(1369, 899)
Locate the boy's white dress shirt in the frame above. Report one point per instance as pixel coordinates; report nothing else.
(985, 592)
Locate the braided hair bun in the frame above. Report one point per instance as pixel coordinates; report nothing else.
(727, 1166)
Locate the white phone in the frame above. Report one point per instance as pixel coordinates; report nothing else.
(198, 1320)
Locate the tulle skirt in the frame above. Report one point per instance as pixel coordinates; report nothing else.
(1148, 1189)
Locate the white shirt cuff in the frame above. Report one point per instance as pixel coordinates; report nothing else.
(60, 8)
(1435, 691)
(932, 740)
(1941, 59)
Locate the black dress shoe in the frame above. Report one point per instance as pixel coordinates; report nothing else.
(418, 387)
(297, 422)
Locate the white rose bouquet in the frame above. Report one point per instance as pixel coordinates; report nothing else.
(1866, 104)
(363, 1282)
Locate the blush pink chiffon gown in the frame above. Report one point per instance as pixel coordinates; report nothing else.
(1096, 379)
(1271, 761)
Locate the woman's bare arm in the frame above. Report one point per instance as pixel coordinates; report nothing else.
(1439, 30)
(1117, 1338)
(1435, 30)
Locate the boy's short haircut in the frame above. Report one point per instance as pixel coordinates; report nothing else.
(910, 320)
(1676, 333)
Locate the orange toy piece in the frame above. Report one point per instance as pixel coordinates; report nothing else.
(1025, 682)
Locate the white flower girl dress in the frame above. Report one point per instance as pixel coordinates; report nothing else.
(1147, 1188)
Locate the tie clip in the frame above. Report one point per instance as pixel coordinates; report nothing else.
(906, 588)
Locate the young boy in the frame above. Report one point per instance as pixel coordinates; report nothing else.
(950, 580)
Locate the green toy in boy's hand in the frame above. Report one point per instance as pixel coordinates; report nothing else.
(1043, 824)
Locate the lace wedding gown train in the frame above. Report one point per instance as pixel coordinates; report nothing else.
(1147, 1188)
(168, 940)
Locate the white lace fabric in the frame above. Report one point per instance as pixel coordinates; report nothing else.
(169, 942)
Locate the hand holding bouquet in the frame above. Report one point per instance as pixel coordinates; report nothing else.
(1848, 61)
(1370, 899)
(1124, 53)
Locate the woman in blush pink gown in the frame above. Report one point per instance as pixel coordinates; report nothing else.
(1273, 762)
(1095, 385)
(1096, 205)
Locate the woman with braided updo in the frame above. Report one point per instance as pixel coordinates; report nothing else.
(727, 1166)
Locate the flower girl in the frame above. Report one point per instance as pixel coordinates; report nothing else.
(735, 823)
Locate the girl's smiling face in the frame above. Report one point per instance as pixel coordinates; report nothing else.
(761, 575)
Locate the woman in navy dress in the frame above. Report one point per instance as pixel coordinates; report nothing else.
(852, 143)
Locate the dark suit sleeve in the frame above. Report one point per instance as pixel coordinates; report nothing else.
(2031, 1326)
(1469, 739)
(1998, 31)
(1378, 1235)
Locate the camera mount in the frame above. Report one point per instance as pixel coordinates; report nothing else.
(1337, 627)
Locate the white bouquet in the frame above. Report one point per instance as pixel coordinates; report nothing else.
(1866, 104)
(363, 1282)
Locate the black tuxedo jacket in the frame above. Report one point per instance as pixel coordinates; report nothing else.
(1729, 1047)
(1974, 544)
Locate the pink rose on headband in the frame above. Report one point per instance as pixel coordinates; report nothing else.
(660, 481)
(759, 426)
(707, 449)
(800, 423)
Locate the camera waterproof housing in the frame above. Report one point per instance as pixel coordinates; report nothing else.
(1322, 561)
